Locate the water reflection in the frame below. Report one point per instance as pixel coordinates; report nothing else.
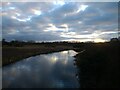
(54, 70)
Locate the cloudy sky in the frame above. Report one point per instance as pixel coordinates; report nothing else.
(59, 21)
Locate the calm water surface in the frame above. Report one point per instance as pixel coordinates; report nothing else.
(54, 70)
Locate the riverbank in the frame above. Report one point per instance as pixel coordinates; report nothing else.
(98, 66)
(11, 54)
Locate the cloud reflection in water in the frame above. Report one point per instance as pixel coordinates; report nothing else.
(54, 70)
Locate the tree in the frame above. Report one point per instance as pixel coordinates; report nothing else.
(4, 41)
(114, 40)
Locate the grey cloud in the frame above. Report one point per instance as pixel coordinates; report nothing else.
(66, 8)
(102, 20)
(34, 36)
(96, 17)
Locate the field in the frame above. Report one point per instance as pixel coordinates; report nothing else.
(11, 54)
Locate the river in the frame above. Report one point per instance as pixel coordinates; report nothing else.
(55, 70)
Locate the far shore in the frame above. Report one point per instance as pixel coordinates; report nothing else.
(11, 54)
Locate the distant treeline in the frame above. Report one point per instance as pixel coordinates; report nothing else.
(19, 43)
(22, 43)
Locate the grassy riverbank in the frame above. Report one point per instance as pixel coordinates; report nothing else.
(11, 54)
(98, 66)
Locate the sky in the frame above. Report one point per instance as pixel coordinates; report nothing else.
(59, 21)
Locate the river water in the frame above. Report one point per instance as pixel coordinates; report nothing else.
(55, 70)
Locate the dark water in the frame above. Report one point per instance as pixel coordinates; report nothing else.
(54, 70)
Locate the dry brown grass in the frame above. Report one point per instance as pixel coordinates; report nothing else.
(12, 54)
(99, 66)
